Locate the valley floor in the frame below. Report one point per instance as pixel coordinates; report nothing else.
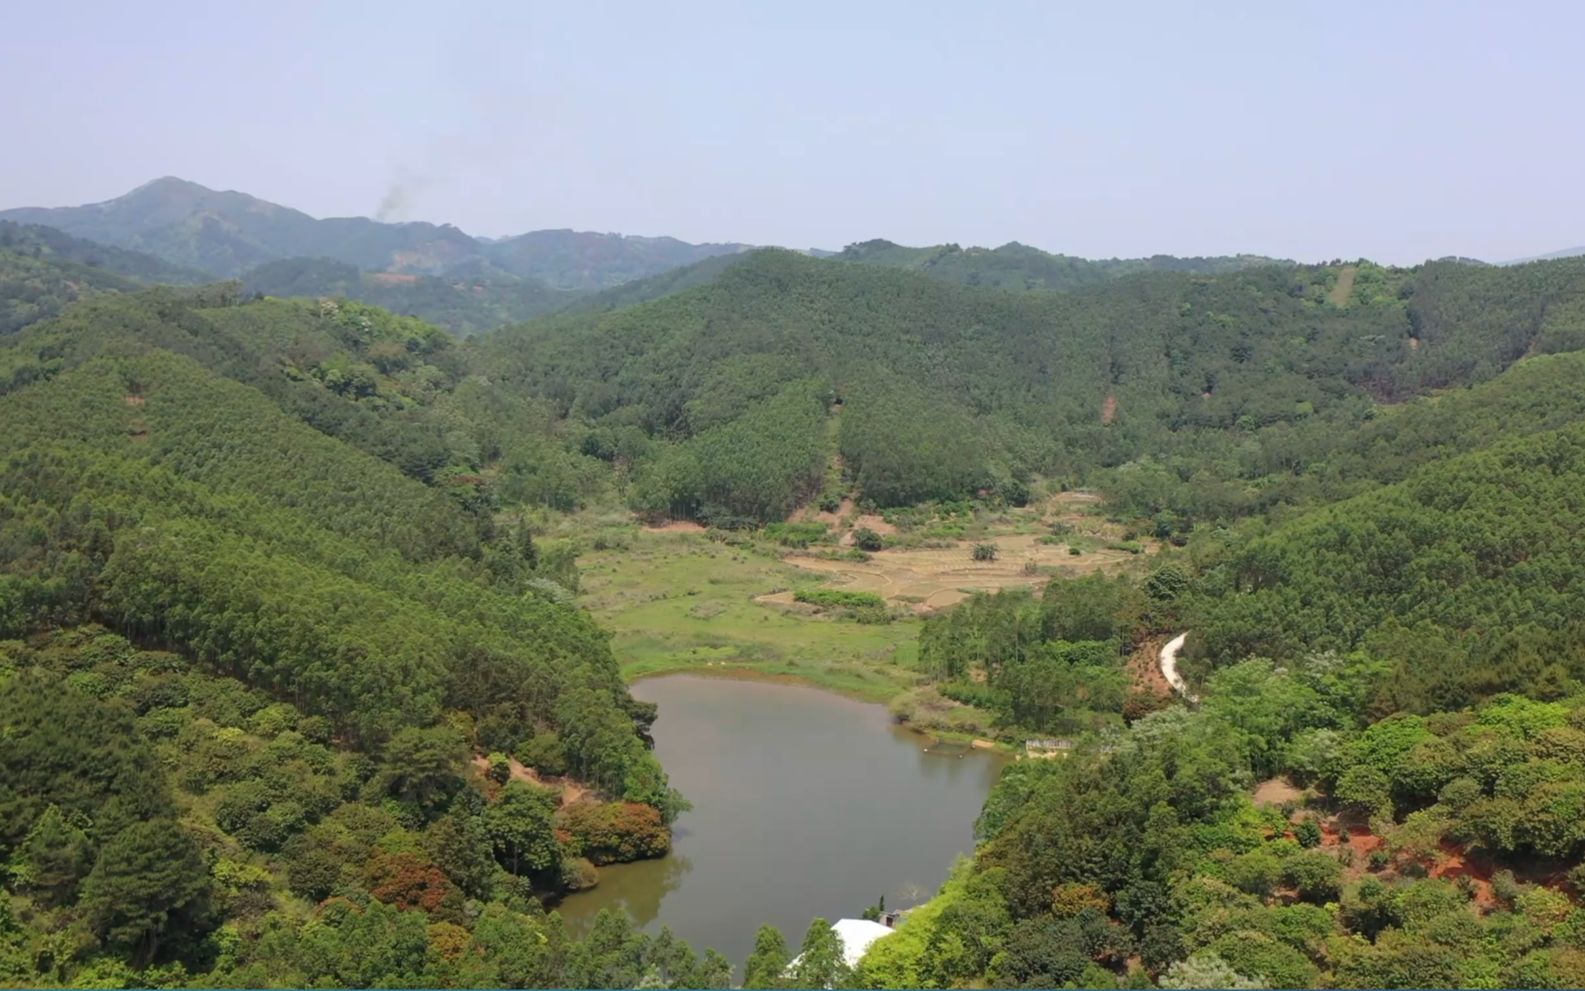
(680, 600)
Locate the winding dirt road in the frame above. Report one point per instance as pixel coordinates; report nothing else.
(1169, 666)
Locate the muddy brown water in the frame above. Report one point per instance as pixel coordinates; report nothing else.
(805, 804)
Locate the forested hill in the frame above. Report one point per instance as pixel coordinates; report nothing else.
(42, 270)
(1019, 267)
(49, 244)
(1381, 784)
(944, 390)
(228, 233)
(257, 627)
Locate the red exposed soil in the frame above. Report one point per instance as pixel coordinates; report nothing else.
(1357, 838)
(1109, 408)
(1454, 862)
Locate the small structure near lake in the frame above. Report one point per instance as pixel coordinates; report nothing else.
(1048, 747)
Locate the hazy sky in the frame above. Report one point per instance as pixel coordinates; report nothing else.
(1397, 131)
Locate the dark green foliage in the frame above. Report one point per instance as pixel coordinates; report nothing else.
(756, 467)
(1204, 383)
(147, 887)
(519, 826)
(867, 540)
(1465, 574)
(544, 752)
(54, 857)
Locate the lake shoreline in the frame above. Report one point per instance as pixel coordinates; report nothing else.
(741, 672)
(806, 803)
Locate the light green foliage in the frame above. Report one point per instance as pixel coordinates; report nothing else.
(767, 964)
(1207, 970)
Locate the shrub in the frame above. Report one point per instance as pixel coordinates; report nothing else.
(868, 540)
(577, 874)
(970, 693)
(499, 769)
(984, 552)
(836, 598)
(544, 753)
(1315, 875)
(796, 534)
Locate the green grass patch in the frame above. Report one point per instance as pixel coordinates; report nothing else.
(679, 602)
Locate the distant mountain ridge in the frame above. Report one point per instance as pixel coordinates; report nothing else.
(1549, 256)
(178, 231)
(227, 233)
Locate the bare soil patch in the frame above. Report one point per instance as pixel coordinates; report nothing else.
(927, 579)
(1108, 409)
(1276, 791)
(571, 791)
(874, 522)
(1453, 862)
(1359, 839)
(808, 514)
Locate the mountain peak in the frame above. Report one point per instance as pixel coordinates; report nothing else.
(170, 183)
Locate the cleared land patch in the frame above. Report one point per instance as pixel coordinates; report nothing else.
(927, 579)
(1343, 290)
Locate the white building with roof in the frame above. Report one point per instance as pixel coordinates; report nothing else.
(857, 935)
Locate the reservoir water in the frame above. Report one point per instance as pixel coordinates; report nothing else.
(805, 804)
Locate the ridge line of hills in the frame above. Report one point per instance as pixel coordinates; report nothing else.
(469, 284)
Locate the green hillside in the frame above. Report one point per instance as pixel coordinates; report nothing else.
(1019, 267)
(1398, 672)
(224, 540)
(43, 270)
(949, 390)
